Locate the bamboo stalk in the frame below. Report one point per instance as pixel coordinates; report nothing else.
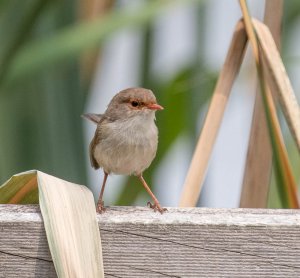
(196, 173)
(259, 157)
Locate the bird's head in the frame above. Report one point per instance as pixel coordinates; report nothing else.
(133, 102)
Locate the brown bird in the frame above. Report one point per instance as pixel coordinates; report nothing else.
(126, 137)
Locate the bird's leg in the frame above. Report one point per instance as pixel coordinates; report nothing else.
(100, 204)
(156, 206)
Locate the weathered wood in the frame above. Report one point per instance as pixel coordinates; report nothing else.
(190, 242)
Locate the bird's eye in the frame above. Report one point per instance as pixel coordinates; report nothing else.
(134, 103)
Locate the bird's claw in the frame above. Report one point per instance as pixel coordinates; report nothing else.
(100, 207)
(156, 207)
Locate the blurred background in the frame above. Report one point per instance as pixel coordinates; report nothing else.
(60, 59)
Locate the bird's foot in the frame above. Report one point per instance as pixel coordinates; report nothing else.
(156, 207)
(100, 207)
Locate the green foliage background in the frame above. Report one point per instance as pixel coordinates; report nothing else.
(42, 94)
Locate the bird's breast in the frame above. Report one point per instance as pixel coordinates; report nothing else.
(127, 147)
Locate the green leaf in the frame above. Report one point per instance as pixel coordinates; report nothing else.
(71, 41)
(19, 188)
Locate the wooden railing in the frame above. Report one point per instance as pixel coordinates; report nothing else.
(192, 242)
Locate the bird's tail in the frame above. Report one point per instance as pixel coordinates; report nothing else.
(95, 118)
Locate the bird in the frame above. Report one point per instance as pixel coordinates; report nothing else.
(126, 139)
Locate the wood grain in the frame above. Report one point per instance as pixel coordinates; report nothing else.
(190, 242)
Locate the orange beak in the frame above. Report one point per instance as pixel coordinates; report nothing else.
(155, 106)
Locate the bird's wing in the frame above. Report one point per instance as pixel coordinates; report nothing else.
(95, 118)
(94, 162)
(103, 119)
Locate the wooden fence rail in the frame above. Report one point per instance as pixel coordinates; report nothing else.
(190, 242)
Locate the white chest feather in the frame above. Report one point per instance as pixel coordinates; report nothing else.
(129, 146)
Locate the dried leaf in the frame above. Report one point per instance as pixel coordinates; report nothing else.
(70, 221)
(259, 157)
(285, 179)
(196, 173)
(278, 79)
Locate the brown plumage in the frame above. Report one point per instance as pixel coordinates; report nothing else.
(126, 137)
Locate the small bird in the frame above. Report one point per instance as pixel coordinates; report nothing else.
(126, 138)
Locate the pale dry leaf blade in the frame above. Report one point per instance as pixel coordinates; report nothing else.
(286, 180)
(196, 173)
(258, 167)
(281, 84)
(69, 217)
(282, 166)
(70, 221)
